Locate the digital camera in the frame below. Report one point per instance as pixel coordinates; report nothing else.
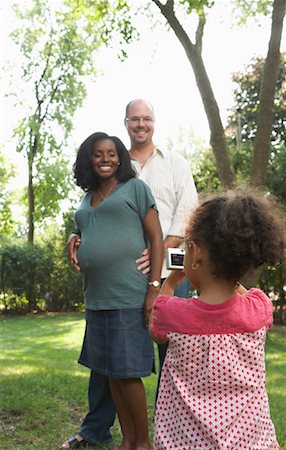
(175, 258)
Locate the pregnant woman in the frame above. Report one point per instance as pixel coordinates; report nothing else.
(117, 218)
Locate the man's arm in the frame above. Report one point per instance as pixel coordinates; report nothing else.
(73, 243)
(186, 195)
(172, 242)
(144, 262)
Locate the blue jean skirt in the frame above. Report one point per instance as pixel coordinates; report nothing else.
(117, 343)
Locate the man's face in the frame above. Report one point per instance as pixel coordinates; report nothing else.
(140, 123)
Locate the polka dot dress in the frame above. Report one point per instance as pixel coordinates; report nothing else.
(212, 392)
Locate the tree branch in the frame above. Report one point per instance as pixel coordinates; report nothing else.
(200, 31)
(193, 52)
(267, 94)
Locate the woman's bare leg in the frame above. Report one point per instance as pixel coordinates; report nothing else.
(134, 401)
(124, 416)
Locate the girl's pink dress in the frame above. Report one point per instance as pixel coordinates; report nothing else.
(212, 392)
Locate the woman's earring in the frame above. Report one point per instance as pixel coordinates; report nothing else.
(195, 266)
(118, 164)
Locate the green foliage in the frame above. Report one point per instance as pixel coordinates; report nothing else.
(25, 273)
(272, 281)
(66, 286)
(50, 189)
(40, 277)
(276, 172)
(58, 42)
(205, 171)
(197, 5)
(112, 20)
(243, 117)
(6, 219)
(244, 9)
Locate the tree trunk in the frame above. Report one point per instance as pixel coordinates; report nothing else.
(193, 51)
(267, 94)
(31, 198)
(31, 193)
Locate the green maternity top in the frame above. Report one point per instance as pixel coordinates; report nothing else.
(112, 238)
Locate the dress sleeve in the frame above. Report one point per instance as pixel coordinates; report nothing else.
(161, 317)
(267, 303)
(144, 198)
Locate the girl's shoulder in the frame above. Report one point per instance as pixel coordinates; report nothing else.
(174, 307)
(255, 298)
(255, 294)
(242, 313)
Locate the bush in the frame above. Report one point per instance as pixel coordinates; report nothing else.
(38, 277)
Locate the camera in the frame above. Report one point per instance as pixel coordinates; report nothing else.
(175, 258)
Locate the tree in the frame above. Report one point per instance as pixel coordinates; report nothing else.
(267, 93)
(246, 105)
(6, 220)
(194, 53)
(58, 49)
(242, 122)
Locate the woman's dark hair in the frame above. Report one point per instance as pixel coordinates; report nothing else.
(241, 230)
(83, 173)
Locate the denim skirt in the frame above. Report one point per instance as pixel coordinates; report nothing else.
(117, 343)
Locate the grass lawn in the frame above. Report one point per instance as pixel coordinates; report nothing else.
(43, 390)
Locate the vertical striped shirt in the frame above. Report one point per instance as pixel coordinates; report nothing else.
(169, 176)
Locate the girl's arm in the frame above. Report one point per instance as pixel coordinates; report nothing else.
(154, 233)
(155, 338)
(172, 281)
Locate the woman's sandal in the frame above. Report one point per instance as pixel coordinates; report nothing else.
(75, 443)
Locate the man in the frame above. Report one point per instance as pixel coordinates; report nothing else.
(168, 175)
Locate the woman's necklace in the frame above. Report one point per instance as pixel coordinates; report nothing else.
(103, 197)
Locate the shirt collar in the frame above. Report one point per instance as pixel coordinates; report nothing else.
(157, 151)
(161, 152)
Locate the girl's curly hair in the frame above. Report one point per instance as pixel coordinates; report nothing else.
(241, 230)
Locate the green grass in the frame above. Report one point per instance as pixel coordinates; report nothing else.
(43, 391)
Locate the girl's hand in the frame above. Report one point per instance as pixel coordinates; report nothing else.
(176, 277)
(173, 280)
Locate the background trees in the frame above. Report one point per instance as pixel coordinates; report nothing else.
(58, 47)
(6, 218)
(193, 51)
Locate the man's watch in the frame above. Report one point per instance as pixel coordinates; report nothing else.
(155, 283)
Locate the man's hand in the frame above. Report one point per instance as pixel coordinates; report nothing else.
(73, 243)
(144, 262)
(172, 242)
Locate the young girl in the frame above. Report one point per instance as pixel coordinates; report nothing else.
(212, 394)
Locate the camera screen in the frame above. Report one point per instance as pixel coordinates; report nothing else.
(177, 260)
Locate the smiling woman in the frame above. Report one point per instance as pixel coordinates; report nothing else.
(115, 217)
